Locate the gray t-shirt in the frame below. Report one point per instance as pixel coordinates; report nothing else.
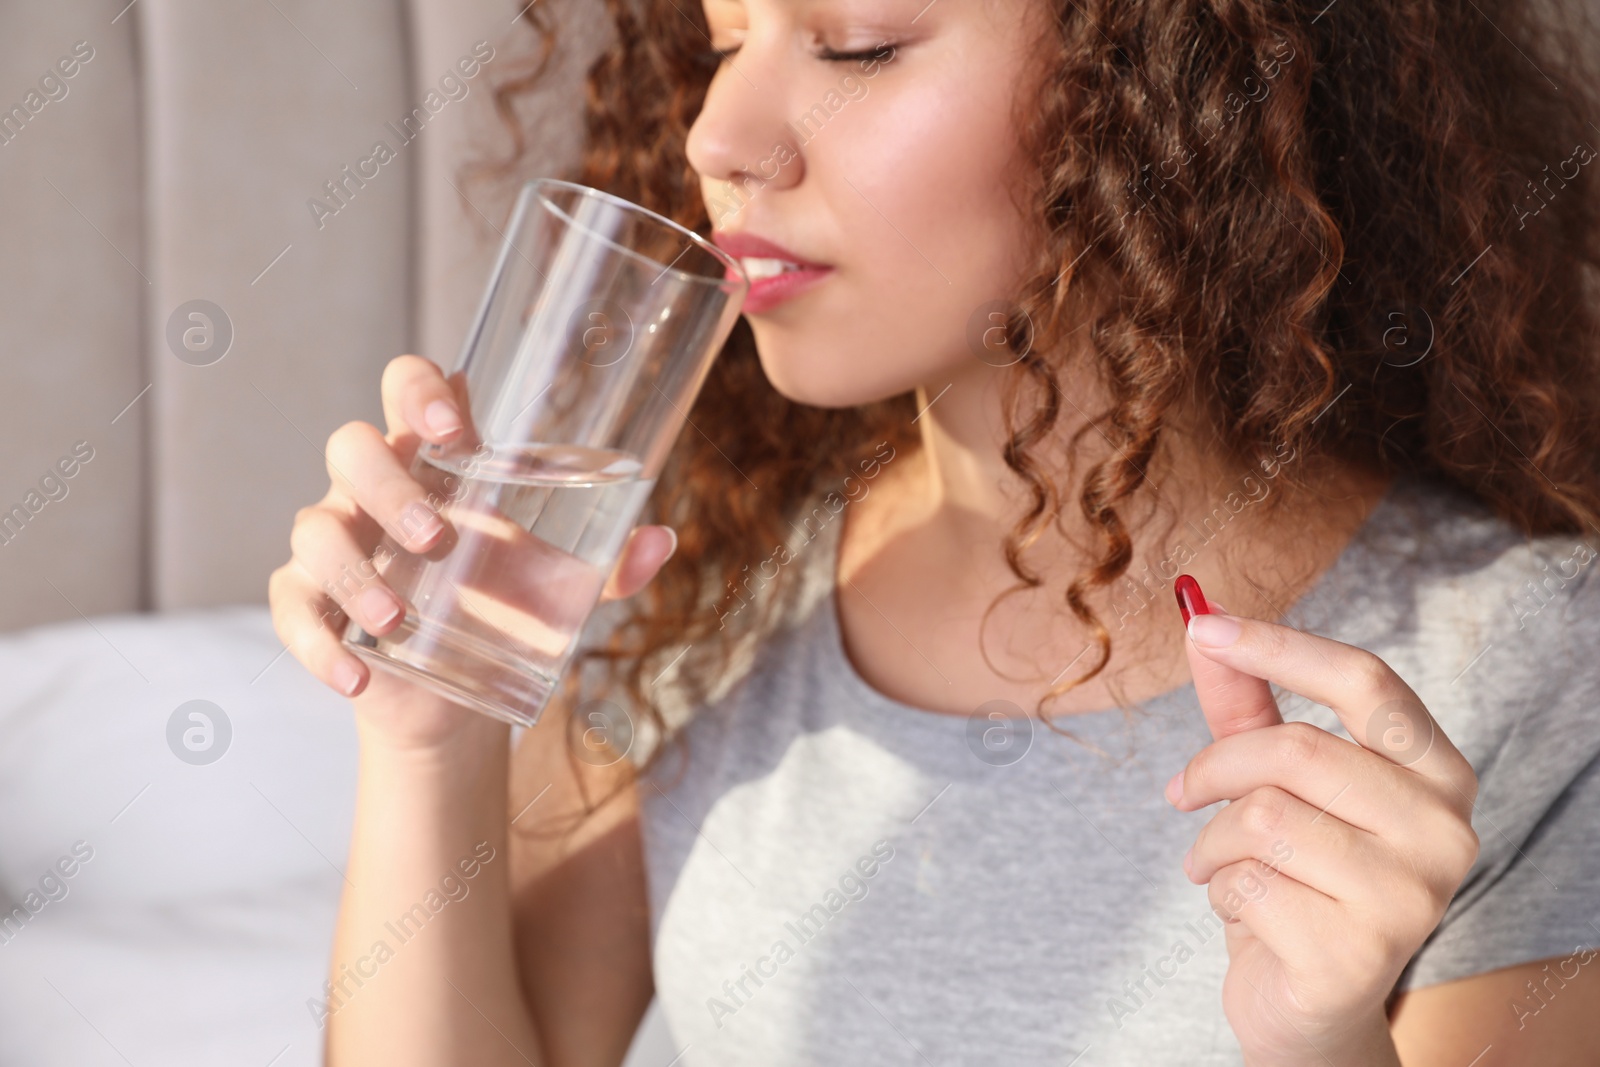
(836, 877)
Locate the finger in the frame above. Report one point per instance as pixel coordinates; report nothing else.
(520, 591)
(366, 470)
(1378, 709)
(1296, 923)
(647, 550)
(327, 550)
(418, 402)
(1231, 700)
(1397, 891)
(310, 626)
(1324, 770)
(1281, 830)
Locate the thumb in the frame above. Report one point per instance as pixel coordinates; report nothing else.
(647, 550)
(1231, 700)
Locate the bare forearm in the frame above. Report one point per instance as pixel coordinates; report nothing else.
(423, 970)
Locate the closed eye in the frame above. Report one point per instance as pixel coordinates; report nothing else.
(884, 52)
(714, 57)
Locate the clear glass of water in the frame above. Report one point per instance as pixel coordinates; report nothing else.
(600, 322)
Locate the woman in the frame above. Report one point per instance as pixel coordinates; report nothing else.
(1078, 296)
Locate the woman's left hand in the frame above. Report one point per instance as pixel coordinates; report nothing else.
(1335, 860)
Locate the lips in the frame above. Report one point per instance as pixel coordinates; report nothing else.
(776, 274)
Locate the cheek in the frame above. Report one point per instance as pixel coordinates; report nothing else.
(935, 160)
(918, 184)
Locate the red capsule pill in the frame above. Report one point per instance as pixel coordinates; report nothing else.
(1191, 601)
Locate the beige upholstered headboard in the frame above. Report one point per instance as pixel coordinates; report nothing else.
(172, 152)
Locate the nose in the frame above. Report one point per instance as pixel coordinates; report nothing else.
(741, 144)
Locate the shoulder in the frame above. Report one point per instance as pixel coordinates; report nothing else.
(1497, 632)
(750, 689)
(1453, 590)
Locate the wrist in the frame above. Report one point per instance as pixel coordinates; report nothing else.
(433, 801)
(1368, 1043)
(471, 745)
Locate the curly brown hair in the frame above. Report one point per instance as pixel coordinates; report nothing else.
(1287, 201)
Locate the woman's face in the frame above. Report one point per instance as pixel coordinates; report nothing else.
(895, 170)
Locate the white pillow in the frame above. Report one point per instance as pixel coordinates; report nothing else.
(200, 924)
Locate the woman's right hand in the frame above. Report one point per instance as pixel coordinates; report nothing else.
(371, 492)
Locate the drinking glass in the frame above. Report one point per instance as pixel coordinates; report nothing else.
(599, 324)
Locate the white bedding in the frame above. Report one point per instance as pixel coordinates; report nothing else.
(198, 927)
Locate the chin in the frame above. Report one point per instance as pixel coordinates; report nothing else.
(839, 380)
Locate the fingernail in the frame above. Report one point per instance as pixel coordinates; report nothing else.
(1188, 861)
(1174, 788)
(421, 523)
(441, 418)
(1214, 631)
(1191, 601)
(378, 607)
(346, 678)
(674, 547)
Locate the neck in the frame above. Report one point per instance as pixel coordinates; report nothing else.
(1201, 511)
